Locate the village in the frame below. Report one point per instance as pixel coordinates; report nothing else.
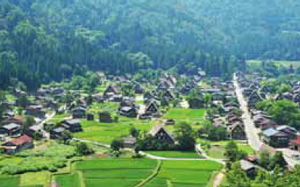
(169, 117)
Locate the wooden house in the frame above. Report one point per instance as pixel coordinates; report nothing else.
(72, 125)
(11, 129)
(161, 134)
(248, 168)
(105, 117)
(18, 144)
(275, 138)
(127, 111)
(57, 132)
(79, 112)
(236, 131)
(36, 111)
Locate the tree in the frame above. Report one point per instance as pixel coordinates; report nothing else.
(23, 101)
(83, 149)
(236, 177)
(134, 132)
(264, 159)
(29, 121)
(185, 136)
(277, 160)
(38, 135)
(116, 144)
(233, 153)
(65, 137)
(207, 98)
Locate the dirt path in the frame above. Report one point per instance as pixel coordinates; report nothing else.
(218, 179)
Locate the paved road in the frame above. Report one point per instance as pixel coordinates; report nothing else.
(251, 131)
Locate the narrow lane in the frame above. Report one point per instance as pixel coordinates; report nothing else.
(251, 131)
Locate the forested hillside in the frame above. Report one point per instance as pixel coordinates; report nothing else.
(49, 40)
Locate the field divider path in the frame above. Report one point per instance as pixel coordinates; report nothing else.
(154, 174)
(81, 179)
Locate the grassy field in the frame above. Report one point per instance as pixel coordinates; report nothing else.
(185, 114)
(68, 180)
(106, 132)
(37, 178)
(175, 154)
(112, 172)
(184, 174)
(217, 148)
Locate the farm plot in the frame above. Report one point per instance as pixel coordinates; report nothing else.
(185, 173)
(175, 154)
(106, 132)
(113, 173)
(185, 113)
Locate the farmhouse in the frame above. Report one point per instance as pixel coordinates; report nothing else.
(161, 134)
(295, 144)
(236, 131)
(152, 108)
(111, 91)
(248, 167)
(36, 110)
(11, 129)
(16, 145)
(72, 125)
(78, 112)
(128, 111)
(105, 117)
(90, 117)
(57, 132)
(275, 138)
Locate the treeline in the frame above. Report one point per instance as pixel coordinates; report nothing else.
(49, 40)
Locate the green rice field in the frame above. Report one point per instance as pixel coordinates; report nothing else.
(185, 113)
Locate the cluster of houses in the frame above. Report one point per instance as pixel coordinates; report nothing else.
(224, 97)
(272, 134)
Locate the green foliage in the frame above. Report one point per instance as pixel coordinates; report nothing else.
(185, 136)
(50, 158)
(116, 144)
(214, 133)
(233, 153)
(83, 149)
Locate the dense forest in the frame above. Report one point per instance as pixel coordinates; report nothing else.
(47, 40)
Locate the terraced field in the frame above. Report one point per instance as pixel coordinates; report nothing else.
(13, 181)
(131, 172)
(113, 173)
(184, 174)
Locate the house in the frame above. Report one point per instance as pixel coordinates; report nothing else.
(72, 125)
(275, 138)
(248, 167)
(161, 134)
(16, 119)
(127, 111)
(152, 108)
(295, 144)
(57, 132)
(236, 131)
(36, 110)
(218, 96)
(129, 142)
(290, 131)
(170, 122)
(111, 90)
(16, 145)
(90, 117)
(11, 129)
(78, 112)
(31, 131)
(105, 117)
